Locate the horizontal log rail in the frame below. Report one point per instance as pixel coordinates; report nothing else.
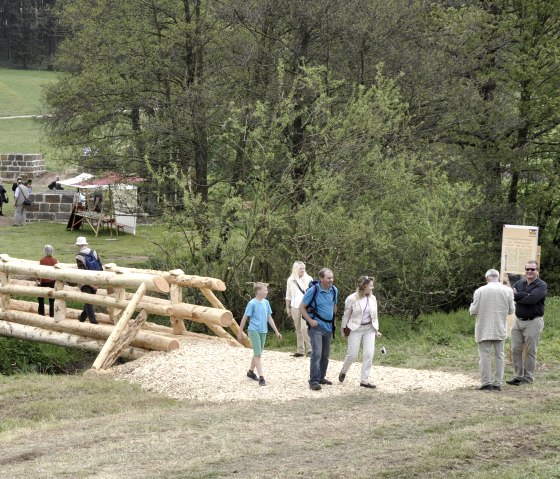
(80, 276)
(202, 314)
(172, 277)
(22, 331)
(143, 339)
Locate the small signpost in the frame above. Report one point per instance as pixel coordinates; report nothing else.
(519, 245)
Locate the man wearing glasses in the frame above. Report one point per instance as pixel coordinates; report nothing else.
(529, 295)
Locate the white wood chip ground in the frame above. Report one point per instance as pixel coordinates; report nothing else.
(216, 372)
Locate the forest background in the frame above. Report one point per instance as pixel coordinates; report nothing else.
(389, 138)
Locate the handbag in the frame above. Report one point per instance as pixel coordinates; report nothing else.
(26, 201)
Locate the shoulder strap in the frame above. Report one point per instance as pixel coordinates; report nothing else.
(298, 286)
(313, 305)
(20, 189)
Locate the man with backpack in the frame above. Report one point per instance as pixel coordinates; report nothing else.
(318, 308)
(87, 259)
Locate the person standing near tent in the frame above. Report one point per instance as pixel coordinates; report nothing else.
(21, 195)
(87, 258)
(97, 200)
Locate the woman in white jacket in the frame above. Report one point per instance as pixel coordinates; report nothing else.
(360, 316)
(296, 286)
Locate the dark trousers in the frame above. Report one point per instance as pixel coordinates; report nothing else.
(320, 350)
(88, 311)
(41, 309)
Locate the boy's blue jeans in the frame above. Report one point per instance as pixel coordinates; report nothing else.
(320, 350)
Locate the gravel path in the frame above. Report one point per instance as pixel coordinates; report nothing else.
(215, 372)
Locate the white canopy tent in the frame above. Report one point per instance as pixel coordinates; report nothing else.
(120, 201)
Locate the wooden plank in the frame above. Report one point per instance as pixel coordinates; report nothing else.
(113, 342)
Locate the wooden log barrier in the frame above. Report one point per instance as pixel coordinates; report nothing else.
(158, 306)
(115, 298)
(143, 339)
(21, 331)
(172, 277)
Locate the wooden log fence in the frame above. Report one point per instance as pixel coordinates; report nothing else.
(118, 332)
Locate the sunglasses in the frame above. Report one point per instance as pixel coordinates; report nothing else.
(530, 269)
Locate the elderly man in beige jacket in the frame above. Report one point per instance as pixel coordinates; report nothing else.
(491, 305)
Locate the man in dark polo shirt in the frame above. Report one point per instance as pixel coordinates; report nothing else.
(529, 295)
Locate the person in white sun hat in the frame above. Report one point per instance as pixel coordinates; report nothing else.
(87, 258)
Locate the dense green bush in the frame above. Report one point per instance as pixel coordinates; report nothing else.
(19, 356)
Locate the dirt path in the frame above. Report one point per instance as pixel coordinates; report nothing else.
(214, 372)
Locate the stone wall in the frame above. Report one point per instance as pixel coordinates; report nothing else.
(26, 165)
(55, 205)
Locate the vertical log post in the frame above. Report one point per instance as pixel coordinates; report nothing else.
(120, 295)
(59, 304)
(5, 298)
(176, 297)
(119, 328)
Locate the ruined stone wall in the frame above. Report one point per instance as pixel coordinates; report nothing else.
(26, 165)
(55, 205)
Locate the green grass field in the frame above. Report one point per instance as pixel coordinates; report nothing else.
(20, 92)
(125, 250)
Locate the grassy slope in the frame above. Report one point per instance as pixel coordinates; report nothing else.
(20, 92)
(126, 250)
(81, 427)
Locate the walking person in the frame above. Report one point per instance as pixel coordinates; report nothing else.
(87, 258)
(3, 197)
(296, 286)
(21, 195)
(318, 308)
(360, 317)
(259, 314)
(529, 295)
(491, 305)
(47, 260)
